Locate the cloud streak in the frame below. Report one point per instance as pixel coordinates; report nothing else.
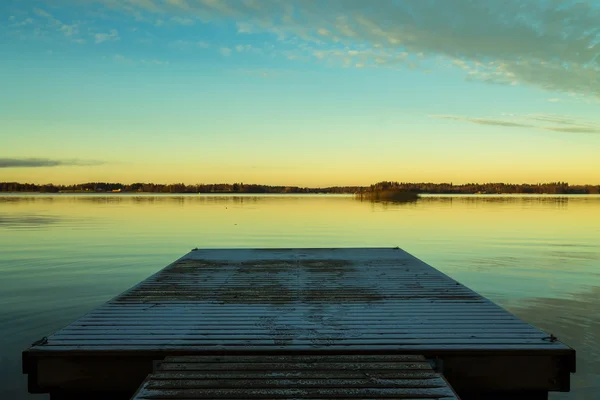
(44, 162)
(485, 121)
(42, 25)
(113, 34)
(564, 124)
(121, 59)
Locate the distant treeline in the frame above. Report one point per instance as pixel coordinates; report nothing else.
(488, 188)
(435, 188)
(168, 188)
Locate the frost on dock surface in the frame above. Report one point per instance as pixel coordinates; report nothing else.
(298, 299)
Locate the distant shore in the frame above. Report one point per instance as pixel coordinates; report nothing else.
(242, 188)
(225, 194)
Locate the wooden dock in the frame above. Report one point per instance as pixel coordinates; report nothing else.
(300, 302)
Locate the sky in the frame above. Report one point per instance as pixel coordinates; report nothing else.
(299, 92)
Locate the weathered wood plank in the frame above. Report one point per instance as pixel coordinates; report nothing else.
(320, 340)
(306, 358)
(302, 374)
(282, 366)
(323, 382)
(280, 335)
(392, 322)
(214, 308)
(429, 309)
(256, 330)
(355, 393)
(291, 320)
(325, 345)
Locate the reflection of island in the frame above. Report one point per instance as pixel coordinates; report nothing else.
(395, 196)
(576, 322)
(388, 192)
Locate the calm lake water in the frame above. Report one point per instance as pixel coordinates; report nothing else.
(63, 255)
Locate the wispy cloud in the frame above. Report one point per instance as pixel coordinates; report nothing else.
(17, 24)
(113, 34)
(42, 24)
(248, 48)
(554, 45)
(121, 59)
(42, 13)
(53, 23)
(189, 44)
(555, 119)
(44, 162)
(225, 51)
(270, 73)
(484, 121)
(69, 30)
(563, 124)
(182, 21)
(572, 129)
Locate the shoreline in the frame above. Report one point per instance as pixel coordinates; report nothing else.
(227, 194)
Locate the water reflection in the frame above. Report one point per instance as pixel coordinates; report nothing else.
(25, 221)
(507, 199)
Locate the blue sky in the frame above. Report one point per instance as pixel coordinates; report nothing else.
(307, 92)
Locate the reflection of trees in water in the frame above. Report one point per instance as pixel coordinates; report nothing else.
(26, 199)
(143, 199)
(194, 199)
(237, 198)
(471, 200)
(558, 200)
(576, 322)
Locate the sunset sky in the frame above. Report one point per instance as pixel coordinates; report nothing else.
(306, 92)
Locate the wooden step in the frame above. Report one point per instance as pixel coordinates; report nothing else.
(295, 377)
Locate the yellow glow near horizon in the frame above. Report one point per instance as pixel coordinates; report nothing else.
(349, 173)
